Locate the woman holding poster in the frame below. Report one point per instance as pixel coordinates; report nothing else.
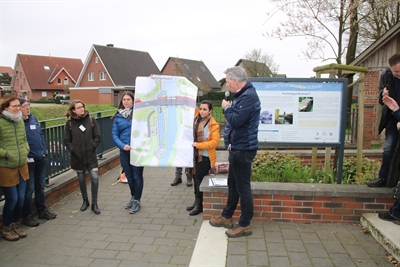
(206, 140)
(121, 134)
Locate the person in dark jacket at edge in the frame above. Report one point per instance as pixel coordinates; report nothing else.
(81, 137)
(394, 172)
(37, 169)
(389, 85)
(241, 140)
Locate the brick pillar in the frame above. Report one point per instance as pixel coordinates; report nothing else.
(372, 109)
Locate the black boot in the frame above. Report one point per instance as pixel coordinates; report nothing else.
(198, 207)
(176, 181)
(94, 177)
(85, 204)
(82, 187)
(95, 208)
(189, 208)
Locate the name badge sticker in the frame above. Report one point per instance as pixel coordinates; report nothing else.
(82, 128)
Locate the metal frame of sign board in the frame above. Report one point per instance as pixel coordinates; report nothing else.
(339, 143)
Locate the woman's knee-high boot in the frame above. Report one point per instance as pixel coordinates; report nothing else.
(82, 187)
(94, 176)
(198, 206)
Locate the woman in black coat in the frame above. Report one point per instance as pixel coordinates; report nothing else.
(81, 137)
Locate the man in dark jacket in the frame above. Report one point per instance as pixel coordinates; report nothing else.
(241, 140)
(37, 169)
(389, 85)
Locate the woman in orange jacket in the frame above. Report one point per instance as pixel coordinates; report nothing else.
(206, 140)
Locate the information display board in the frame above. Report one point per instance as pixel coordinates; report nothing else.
(301, 111)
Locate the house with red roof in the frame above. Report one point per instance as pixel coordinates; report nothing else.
(194, 70)
(35, 77)
(109, 71)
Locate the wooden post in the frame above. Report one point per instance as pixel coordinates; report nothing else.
(360, 125)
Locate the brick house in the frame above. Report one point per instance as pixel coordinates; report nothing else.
(35, 77)
(108, 71)
(375, 58)
(194, 70)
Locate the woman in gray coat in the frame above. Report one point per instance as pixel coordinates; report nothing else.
(81, 137)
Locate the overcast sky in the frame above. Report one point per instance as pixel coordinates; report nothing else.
(217, 32)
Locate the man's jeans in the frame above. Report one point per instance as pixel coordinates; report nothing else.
(239, 186)
(36, 183)
(14, 202)
(392, 138)
(134, 175)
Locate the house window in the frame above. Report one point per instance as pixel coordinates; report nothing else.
(44, 94)
(65, 80)
(24, 81)
(58, 80)
(46, 67)
(102, 76)
(91, 76)
(96, 60)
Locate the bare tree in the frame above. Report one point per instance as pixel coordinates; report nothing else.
(376, 18)
(332, 27)
(260, 64)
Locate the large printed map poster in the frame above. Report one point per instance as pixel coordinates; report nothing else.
(162, 124)
(299, 112)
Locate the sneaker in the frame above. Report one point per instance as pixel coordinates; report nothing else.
(239, 231)
(378, 182)
(18, 231)
(135, 207)
(129, 204)
(386, 217)
(47, 215)
(221, 221)
(30, 221)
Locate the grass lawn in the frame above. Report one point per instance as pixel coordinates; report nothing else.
(51, 112)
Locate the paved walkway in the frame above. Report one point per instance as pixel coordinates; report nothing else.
(163, 234)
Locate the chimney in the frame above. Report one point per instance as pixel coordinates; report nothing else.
(110, 45)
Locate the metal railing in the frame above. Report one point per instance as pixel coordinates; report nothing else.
(58, 157)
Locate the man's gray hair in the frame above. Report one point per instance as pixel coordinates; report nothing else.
(236, 73)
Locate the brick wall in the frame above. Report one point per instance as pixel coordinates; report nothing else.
(306, 203)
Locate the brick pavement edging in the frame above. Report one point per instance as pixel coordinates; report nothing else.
(302, 203)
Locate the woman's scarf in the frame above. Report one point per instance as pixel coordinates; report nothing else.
(125, 112)
(14, 118)
(198, 136)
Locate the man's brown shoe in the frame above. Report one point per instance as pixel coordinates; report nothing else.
(238, 231)
(221, 221)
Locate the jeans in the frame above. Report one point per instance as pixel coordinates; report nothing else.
(239, 186)
(202, 169)
(395, 209)
(14, 202)
(392, 138)
(36, 183)
(134, 175)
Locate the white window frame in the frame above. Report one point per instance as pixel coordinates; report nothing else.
(96, 60)
(66, 80)
(102, 75)
(58, 80)
(90, 76)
